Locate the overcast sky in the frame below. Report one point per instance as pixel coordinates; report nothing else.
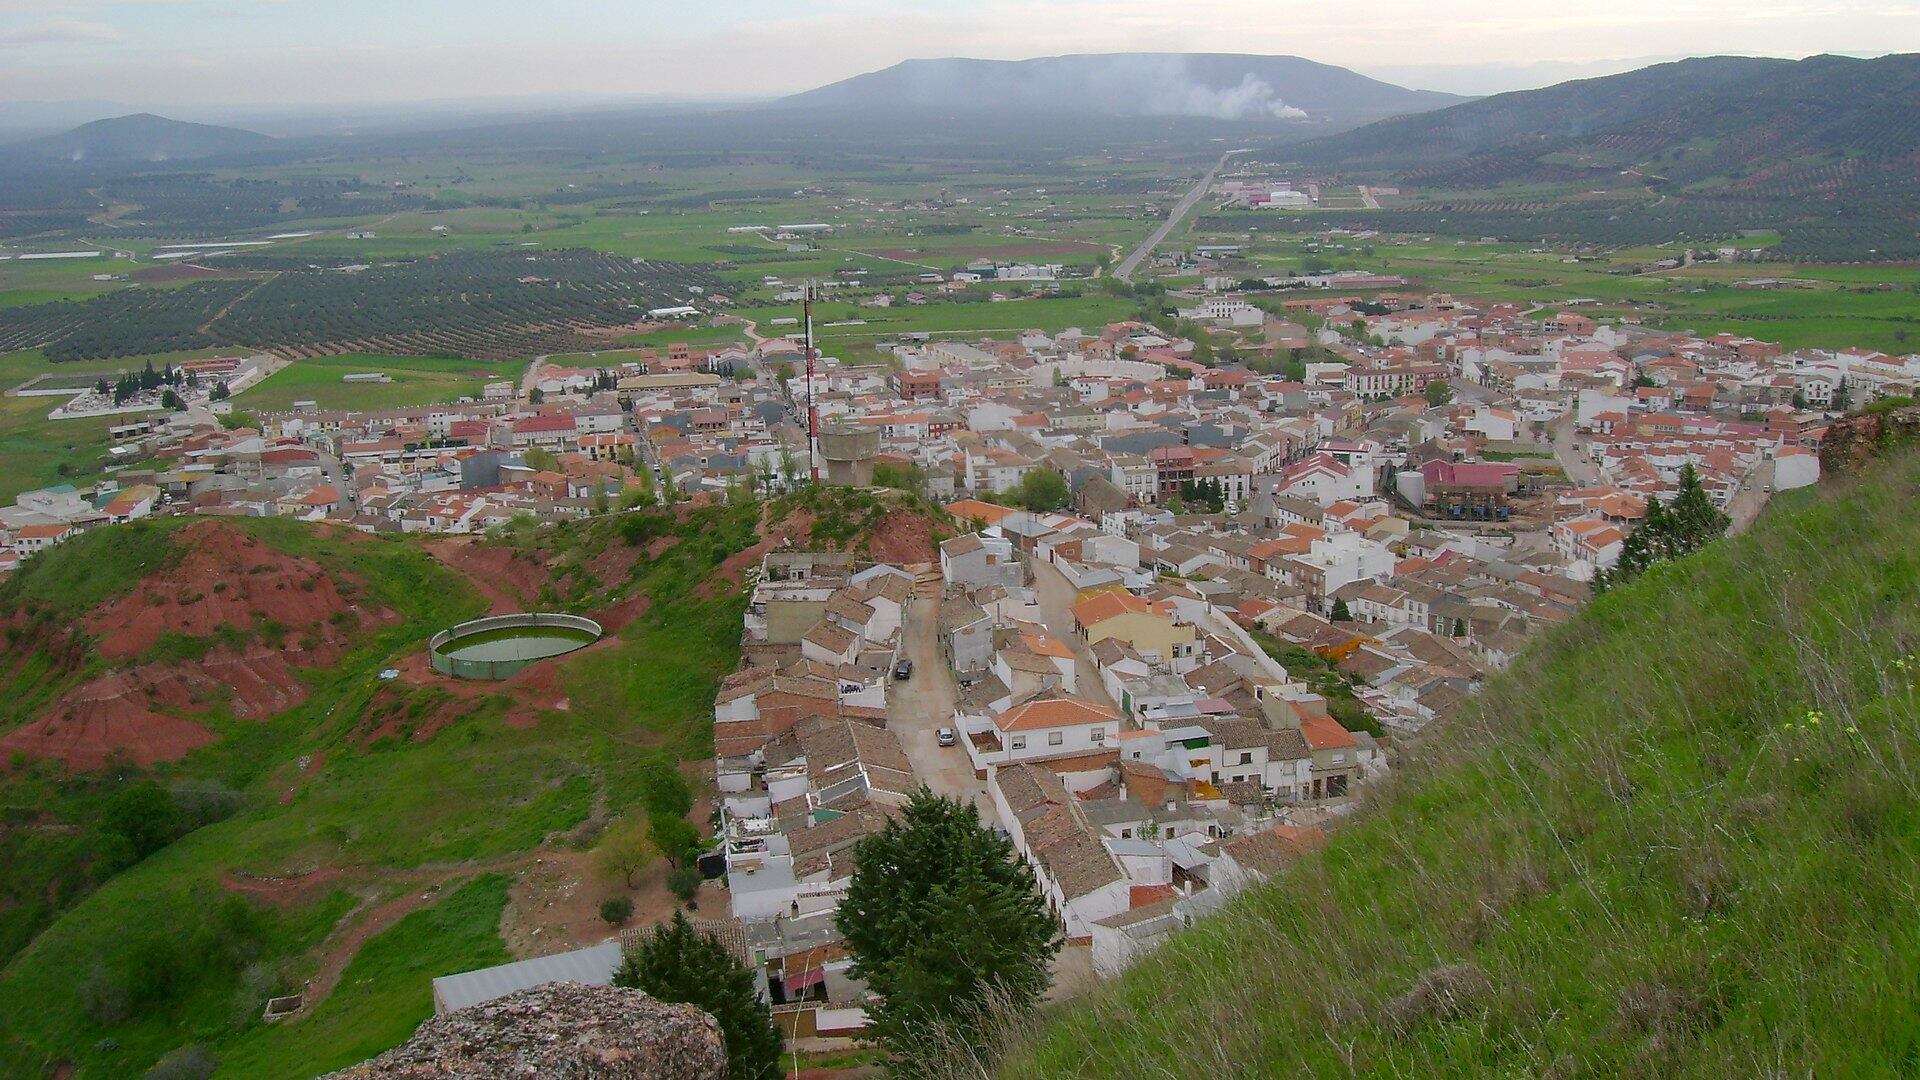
(158, 53)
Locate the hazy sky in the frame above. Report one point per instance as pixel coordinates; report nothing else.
(171, 52)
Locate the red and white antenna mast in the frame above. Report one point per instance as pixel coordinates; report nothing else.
(813, 414)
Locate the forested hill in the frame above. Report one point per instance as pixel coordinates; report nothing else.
(1825, 126)
(1678, 838)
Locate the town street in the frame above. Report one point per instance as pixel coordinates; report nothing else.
(923, 704)
(1056, 612)
(1566, 451)
(1751, 497)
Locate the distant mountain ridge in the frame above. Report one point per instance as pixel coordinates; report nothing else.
(144, 137)
(1222, 86)
(1739, 126)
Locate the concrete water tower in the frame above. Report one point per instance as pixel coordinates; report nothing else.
(849, 451)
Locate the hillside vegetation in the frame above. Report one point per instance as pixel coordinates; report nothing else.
(1748, 127)
(1677, 839)
(152, 905)
(1821, 151)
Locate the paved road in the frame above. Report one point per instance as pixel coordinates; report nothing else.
(1751, 498)
(1566, 450)
(1133, 261)
(1056, 611)
(923, 704)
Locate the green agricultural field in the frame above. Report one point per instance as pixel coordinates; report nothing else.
(38, 451)
(417, 380)
(1844, 307)
(698, 336)
(37, 281)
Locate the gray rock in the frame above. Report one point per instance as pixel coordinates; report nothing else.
(560, 1031)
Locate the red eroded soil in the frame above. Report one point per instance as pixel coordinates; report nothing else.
(904, 537)
(224, 581)
(226, 578)
(88, 725)
(509, 584)
(388, 714)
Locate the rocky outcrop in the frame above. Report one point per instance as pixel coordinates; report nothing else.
(1852, 441)
(560, 1031)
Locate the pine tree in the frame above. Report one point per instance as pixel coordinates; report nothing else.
(1640, 548)
(943, 920)
(1669, 531)
(677, 963)
(1696, 521)
(1340, 612)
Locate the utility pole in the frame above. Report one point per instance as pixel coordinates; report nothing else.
(813, 414)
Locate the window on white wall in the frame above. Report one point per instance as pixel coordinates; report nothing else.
(1056, 738)
(1019, 742)
(1099, 734)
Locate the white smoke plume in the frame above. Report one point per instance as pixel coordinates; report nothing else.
(1252, 99)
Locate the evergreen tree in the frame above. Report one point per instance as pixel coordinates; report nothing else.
(1842, 396)
(1340, 612)
(1696, 521)
(1669, 531)
(943, 920)
(677, 963)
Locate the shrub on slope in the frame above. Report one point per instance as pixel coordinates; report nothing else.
(1678, 839)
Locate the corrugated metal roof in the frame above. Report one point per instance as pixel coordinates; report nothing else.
(594, 966)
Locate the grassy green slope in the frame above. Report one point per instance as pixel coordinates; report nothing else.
(1678, 839)
(162, 954)
(392, 980)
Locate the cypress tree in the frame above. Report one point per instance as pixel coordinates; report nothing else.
(677, 963)
(944, 920)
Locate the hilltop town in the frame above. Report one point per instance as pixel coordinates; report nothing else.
(1123, 563)
(1185, 616)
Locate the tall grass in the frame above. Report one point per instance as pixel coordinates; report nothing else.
(1678, 839)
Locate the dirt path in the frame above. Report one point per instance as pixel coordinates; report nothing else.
(425, 887)
(207, 327)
